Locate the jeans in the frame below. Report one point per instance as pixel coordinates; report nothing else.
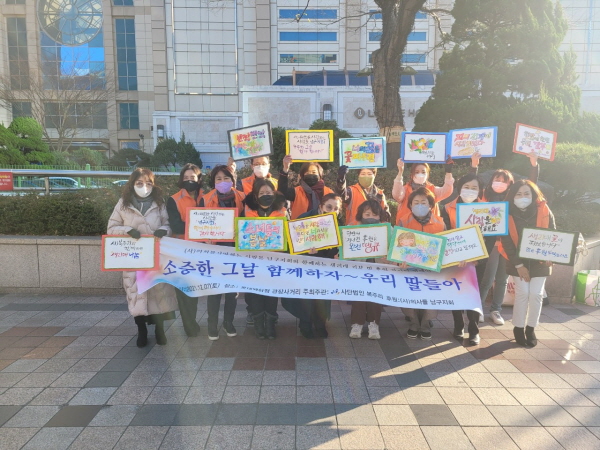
(495, 269)
(528, 301)
(213, 303)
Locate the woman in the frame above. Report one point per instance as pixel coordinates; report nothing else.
(309, 194)
(369, 212)
(419, 176)
(421, 218)
(358, 193)
(188, 197)
(141, 211)
(470, 188)
(314, 313)
(264, 201)
(260, 170)
(528, 209)
(223, 195)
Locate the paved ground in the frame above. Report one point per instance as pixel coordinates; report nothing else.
(72, 377)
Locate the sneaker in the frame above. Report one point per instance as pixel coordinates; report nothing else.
(374, 331)
(356, 331)
(426, 335)
(474, 339)
(249, 319)
(229, 329)
(481, 318)
(497, 318)
(412, 334)
(213, 332)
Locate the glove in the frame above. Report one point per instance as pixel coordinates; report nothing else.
(160, 233)
(342, 172)
(449, 164)
(134, 233)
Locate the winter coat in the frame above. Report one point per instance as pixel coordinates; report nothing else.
(160, 298)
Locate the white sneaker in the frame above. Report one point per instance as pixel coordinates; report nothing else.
(374, 331)
(356, 331)
(481, 318)
(496, 318)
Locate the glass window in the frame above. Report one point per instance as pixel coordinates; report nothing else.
(417, 36)
(307, 36)
(308, 14)
(307, 58)
(420, 16)
(18, 63)
(130, 144)
(126, 54)
(15, 2)
(129, 116)
(80, 115)
(375, 35)
(123, 2)
(414, 58)
(424, 79)
(21, 109)
(70, 22)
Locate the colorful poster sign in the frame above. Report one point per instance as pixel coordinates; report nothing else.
(463, 143)
(463, 244)
(363, 153)
(250, 142)
(222, 269)
(365, 241)
(6, 181)
(543, 244)
(309, 145)
(126, 253)
(260, 234)
(318, 232)
(208, 224)
(492, 217)
(417, 249)
(423, 147)
(535, 140)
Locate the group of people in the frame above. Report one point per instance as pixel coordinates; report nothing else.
(143, 210)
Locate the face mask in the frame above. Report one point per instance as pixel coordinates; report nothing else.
(469, 195)
(224, 187)
(266, 200)
(420, 210)
(366, 181)
(142, 192)
(311, 179)
(370, 221)
(499, 187)
(522, 202)
(191, 186)
(261, 171)
(420, 178)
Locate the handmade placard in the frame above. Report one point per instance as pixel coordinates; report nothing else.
(492, 217)
(365, 241)
(208, 224)
(126, 253)
(463, 244)
(260, 234)
(535, 140)
(463, 143)
(548, 245)
(309, 145)
(363, 153)
(318, 232)
(250, 142)
(417, 249)
(423, 147)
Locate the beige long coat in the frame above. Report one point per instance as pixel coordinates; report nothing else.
(161, 298)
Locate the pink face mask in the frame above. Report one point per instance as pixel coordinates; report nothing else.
(499, 187)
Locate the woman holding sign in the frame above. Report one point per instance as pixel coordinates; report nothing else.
(358, 193)
(223, 195)
(141, 211)
(528, 209)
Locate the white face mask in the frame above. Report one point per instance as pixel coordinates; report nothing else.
(522, 202)
(420, 178)
(261, 171)
(469, 195)
(143, 192)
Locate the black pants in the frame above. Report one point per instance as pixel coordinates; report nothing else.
(213, 303)
(308, 310)
(473, 317)
(261, 303)
(188, 307)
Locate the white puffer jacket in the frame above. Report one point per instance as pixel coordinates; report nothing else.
(161, 298)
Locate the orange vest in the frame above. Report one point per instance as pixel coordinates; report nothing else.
(435, 225)
(301, 204)
(211, 200)
(403, 208)
(358, 197)
(541, 221)
(184, 200)
(254, 213)
(248, 182)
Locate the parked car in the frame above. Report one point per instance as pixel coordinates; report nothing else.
(61, 183)
(120, 182)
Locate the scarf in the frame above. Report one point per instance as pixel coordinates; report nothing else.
(414, 186)
(142, 204)
(315, 194)
(423, 220)
(226, 200)
(370, 193)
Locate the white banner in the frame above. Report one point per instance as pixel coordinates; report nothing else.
(202, 269)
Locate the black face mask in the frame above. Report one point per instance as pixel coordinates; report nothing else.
(311, 179)
(370, 221)
(266, 200)
(191, 186)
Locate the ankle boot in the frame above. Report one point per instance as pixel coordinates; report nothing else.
(142, 339)
(159, 331)
(270, 325)
(306, 329)
(530, 336)
(259, 325)
(520, 336)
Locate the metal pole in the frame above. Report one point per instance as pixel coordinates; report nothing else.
(47, 185)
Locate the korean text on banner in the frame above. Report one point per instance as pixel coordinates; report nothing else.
(463, 244)
(202, 269)
(309, 145)
(318, 232)
(535, 140)
(207, 224)
(250, 142)
(126, 253)
(463, 143)
(363, 153)
(543, 244)
(260, 234)
(365, 241)
(492, 217)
